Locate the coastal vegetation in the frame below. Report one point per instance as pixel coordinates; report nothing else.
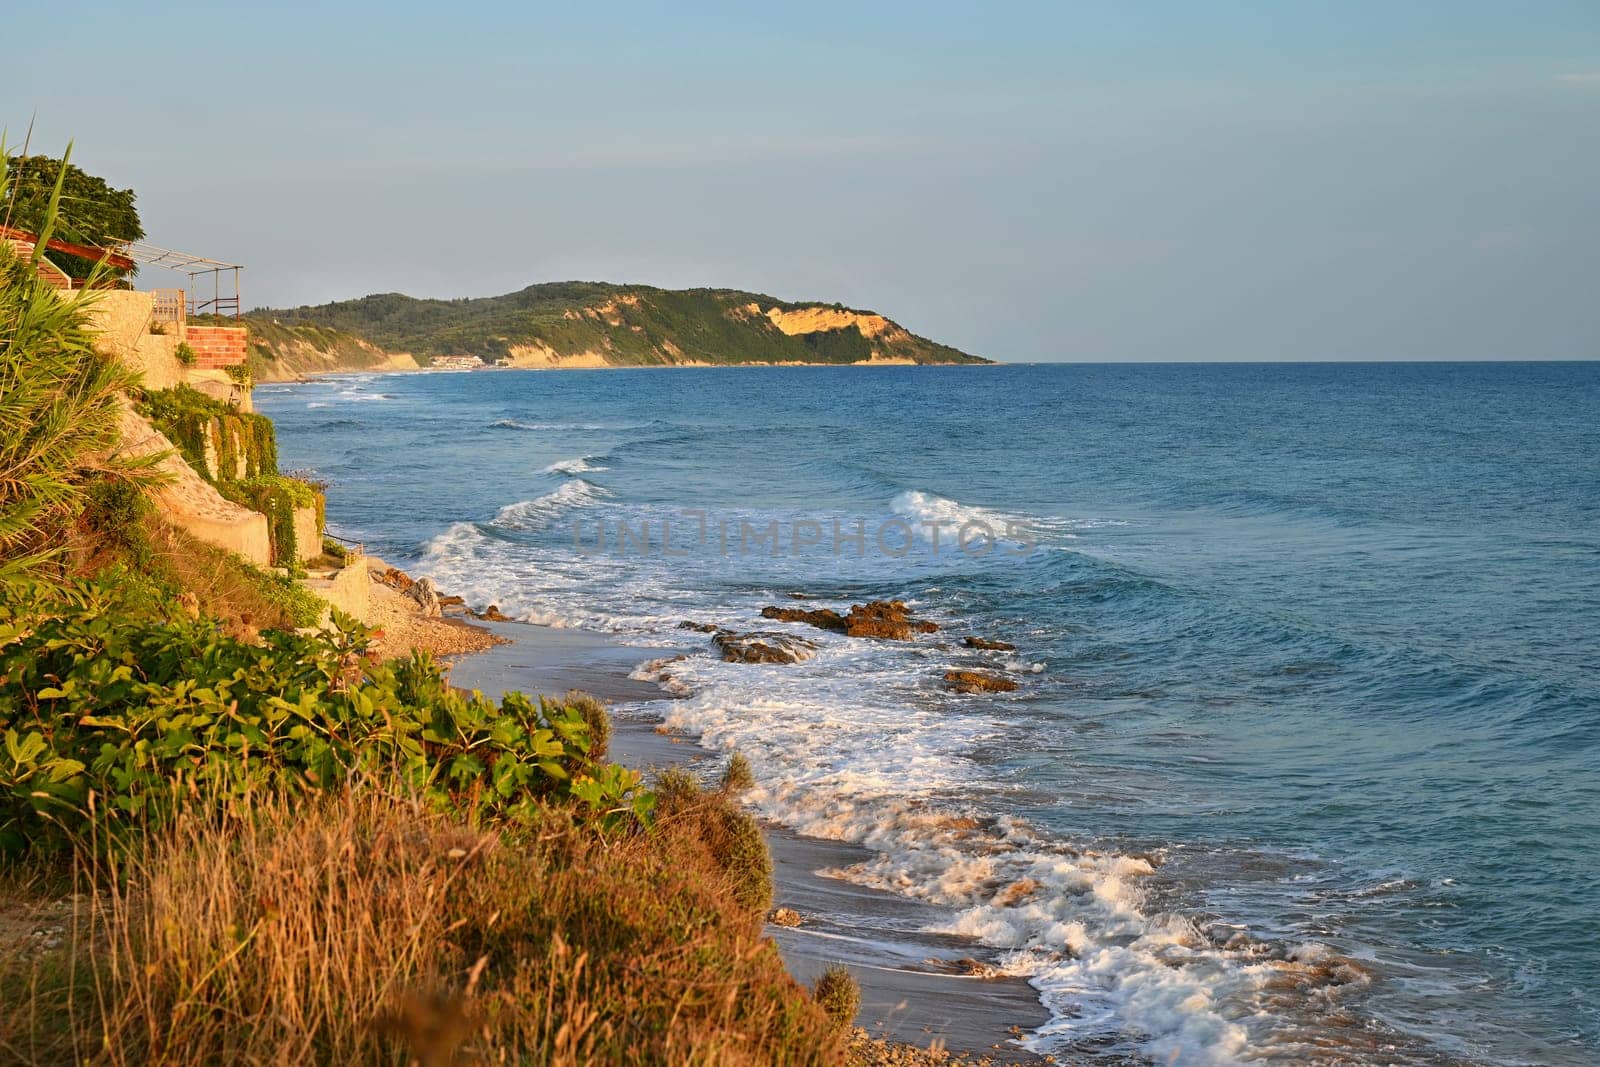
(237, 452)
(43, 193)
(595, 324)
(265, 844)
(59, 405)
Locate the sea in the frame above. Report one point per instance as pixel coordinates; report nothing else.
(1303, 762)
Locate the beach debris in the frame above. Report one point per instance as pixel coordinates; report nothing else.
(784, 917)
(888, 619)
(763, 647)
(426, 595)
(978, 682)
(989, 646)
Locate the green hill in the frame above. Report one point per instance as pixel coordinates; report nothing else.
(583, 324)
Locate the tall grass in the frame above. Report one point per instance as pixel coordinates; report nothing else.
(370, 930)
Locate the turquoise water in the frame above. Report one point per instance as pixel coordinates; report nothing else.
(1305, 761)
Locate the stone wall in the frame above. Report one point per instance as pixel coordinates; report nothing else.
(192, 503)
(348, 589)
(307, 534)
(122, 318)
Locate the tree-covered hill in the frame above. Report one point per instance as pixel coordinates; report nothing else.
(600, 324)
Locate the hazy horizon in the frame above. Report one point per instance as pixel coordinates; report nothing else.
(1304, 182)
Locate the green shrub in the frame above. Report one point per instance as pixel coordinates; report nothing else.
(838, 994)
(114, 514)
(677, 786)
(742, 851)
(185, 354)
(299, 606)
(107, 719)
(737, 775)
(593, 711)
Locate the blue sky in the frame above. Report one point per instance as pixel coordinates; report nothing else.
(1085, 181)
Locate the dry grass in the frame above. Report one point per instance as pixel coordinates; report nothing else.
(366, 930)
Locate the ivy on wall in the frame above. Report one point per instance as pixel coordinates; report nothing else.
(238, 453)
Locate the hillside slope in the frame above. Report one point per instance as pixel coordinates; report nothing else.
(585, 324)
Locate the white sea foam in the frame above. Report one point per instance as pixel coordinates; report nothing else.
(856, 746)
(536, 513)
(925, 510)
(581, 465)
(861, 744)
(518, 424)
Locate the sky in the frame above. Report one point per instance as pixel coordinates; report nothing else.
(1129, 180)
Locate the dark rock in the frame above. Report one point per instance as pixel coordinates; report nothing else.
(821, 618)
(492, 613)
(989, 646)
(701, 627)
(889, 619)
(881, 618)
(394, 578)
(763, 647)
(978, 682)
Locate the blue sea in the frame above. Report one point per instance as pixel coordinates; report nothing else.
(1304, 760)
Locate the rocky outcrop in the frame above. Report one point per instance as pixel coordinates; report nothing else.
(978, 682)
(426, 596)
(888, 619)
(989, 646)
(763, 647)
(821, 618)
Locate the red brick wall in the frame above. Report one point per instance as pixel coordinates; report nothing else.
(216, 346)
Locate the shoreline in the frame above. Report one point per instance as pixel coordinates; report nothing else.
(912, 990)
(318, 375)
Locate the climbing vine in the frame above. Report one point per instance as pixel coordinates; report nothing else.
(238, 453)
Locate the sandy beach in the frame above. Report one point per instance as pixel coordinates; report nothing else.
(912, 986)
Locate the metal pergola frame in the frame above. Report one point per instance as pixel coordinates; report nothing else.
(195, 267)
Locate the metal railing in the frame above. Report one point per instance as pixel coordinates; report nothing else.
(170, 306)
(355, 549)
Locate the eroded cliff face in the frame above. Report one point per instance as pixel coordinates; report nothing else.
(818, 319)
(287, 355)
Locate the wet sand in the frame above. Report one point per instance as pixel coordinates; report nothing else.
(911, 986)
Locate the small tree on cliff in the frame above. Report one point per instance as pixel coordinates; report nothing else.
(90, 212)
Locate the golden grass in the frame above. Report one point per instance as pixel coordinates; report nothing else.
(367, 930)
